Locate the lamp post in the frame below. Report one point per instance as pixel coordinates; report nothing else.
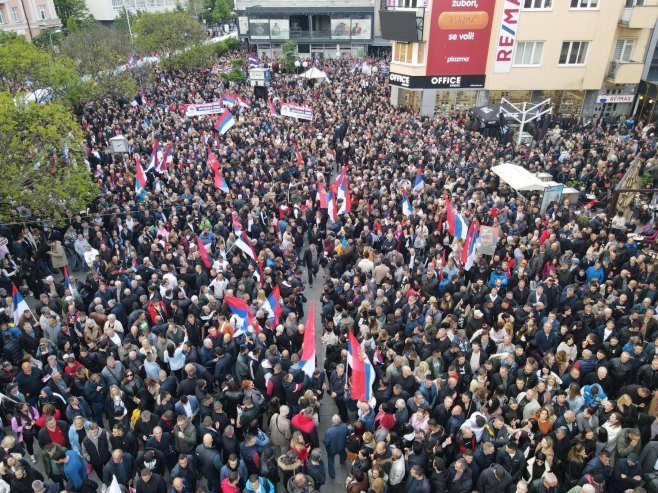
(297, 65)
(50, 36)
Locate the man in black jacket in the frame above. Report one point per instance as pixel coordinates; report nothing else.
(150, 482)
(495, 478)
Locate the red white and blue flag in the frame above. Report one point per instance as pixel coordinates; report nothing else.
(224, 122)
(307, 358)
(419, 184)
(332, 210)
(273, 306)
(212, 160)
(154, 160)
(67, 283)
(270, 105)
(140, 176)
(205, 256)
(244, 243)
(161, 167)
(253, 60)
(322, 195)
(456, 224)
(363, 373)
(237, 227)
(377, 358)
(243, 103)
(228, 100)
(20, 305)
(244, 319)
(298, 156)
(407, 207)
(469, 250)
(343, 192)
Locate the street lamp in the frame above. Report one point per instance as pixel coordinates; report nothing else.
(50, 36)
(305, 64)
(297, 65)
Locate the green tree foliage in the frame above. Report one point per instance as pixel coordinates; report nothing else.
(233, 43)
(222, 10)
(289, 49)
(167, 32)
(121, 20)
(96, 49)
(42, 165)
(71, 9)
(24, 68)
(198, 57)
(43, 39)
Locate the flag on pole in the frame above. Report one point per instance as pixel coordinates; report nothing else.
(243, 103)
(377, 358)
(343, 192)
(332, 210)
(407, 207)
(219, 180)
(420, 181)
(20, 305)
(363, 373)
(67, 282)
(244, 243)
(273, 306)
(322, 195)
(469, 250)
(140, 176)
(237, 227)
(212, 160)
(224, 122)
(228, 100)
(253, 60)
(270, 105)
(456, 224)
(161, 167)
(154, 159)
(205, 257)
(298, 156)
(307, 358)
(242, 313)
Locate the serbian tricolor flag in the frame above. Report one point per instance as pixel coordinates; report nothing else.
(469, 250)
(212, 160)
(219, 180)
(67, 282)
(298, 156)
(407, 207)
(228, 100)
(273, 306)
(456, 224)
(343, 192)
(331, 155)
(419, 184)
(307, 358)
(237, 227)
(363, 373)
(224, 122)
(253, 60)
(332, 210)
(244, 243)
(242, 313)
(161, 167)
(154, 160)
(146, 102)
(20, 305)
(207, 261)
(270, 105)
(242, 102)
(322, 195)
(140, 176)
(377, 358)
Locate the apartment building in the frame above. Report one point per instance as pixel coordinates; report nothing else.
(588, 56)
(28, 17)
(106, 11)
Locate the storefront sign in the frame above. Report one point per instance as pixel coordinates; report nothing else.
(437, 82)
(615, 98)
(509, 26)
(296, 111)
(203, 109)
(459, 37)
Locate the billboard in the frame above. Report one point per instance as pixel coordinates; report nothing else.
(459, 37)
(279, 28)
(259, 28)
(340, 27)
(361, 27)
(506, 39)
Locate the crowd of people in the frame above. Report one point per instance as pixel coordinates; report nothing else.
(533, 371)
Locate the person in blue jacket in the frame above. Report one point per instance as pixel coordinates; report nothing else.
(497, 274)
(595, 272)
(74, 468)
(335, 441)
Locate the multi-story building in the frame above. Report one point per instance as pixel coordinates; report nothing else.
(588, 56)
(320, 27)
(28, 17)
(106, 11)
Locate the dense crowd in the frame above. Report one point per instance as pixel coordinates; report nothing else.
(533, 371)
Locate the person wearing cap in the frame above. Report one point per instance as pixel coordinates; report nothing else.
(627, 475)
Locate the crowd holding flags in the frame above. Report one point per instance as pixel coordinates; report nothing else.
(155, 156)
(140, 176)
(161, 166)
(242, 314)
(363, 373)
(419, 184)
(469, 250)
(253, 60)
(20, 305)
(205, 256)
(456, 224)
(270, 105)
(67, 282)
(228, 100)
(407, 207)
(224, 122)
(273, 306)
(307, 359)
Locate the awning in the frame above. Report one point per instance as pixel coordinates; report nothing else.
(314, 73)
(517, 177)
(489, 114)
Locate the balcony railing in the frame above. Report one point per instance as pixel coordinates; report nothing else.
(639, 17)
(620, 72)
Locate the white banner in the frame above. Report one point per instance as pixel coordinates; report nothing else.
(552, 193)
(203, 109)
(506, 39)
(296, 111)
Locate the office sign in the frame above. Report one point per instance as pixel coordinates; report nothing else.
(506, 39)
(459, 37)
(436, 82)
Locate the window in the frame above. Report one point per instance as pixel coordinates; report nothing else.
(584, 4)
(528, 53)
(14, 15)
(42, 13)
(537, 4)
(404, 52)
(2, 16)
(634, 3)
(623, 50)
(117, 4)
(574, 52)
(141, 4)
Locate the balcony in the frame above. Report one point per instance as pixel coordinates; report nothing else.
(624, 72)
(639, 17)
(301, 34)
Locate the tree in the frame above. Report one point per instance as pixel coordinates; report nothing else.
(42, 166)
(71, 9)
(43, 39)
(289, 49)
(197, 57)
(167, 32)
(121, 20)
(222, 10)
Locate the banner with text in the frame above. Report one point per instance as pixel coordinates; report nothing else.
(506, 39)
(296, 111)
(459, 37)
(202, 109)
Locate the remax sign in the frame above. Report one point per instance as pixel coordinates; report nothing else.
(506, 39)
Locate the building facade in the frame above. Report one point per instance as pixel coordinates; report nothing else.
(319, 27)
(28, 17)
(106, 11)
(587, 56)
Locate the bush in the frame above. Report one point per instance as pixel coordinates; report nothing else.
(237, 76)
(232, 43)
(197, 57)
(220, 48)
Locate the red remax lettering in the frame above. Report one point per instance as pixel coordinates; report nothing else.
(504, 56)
